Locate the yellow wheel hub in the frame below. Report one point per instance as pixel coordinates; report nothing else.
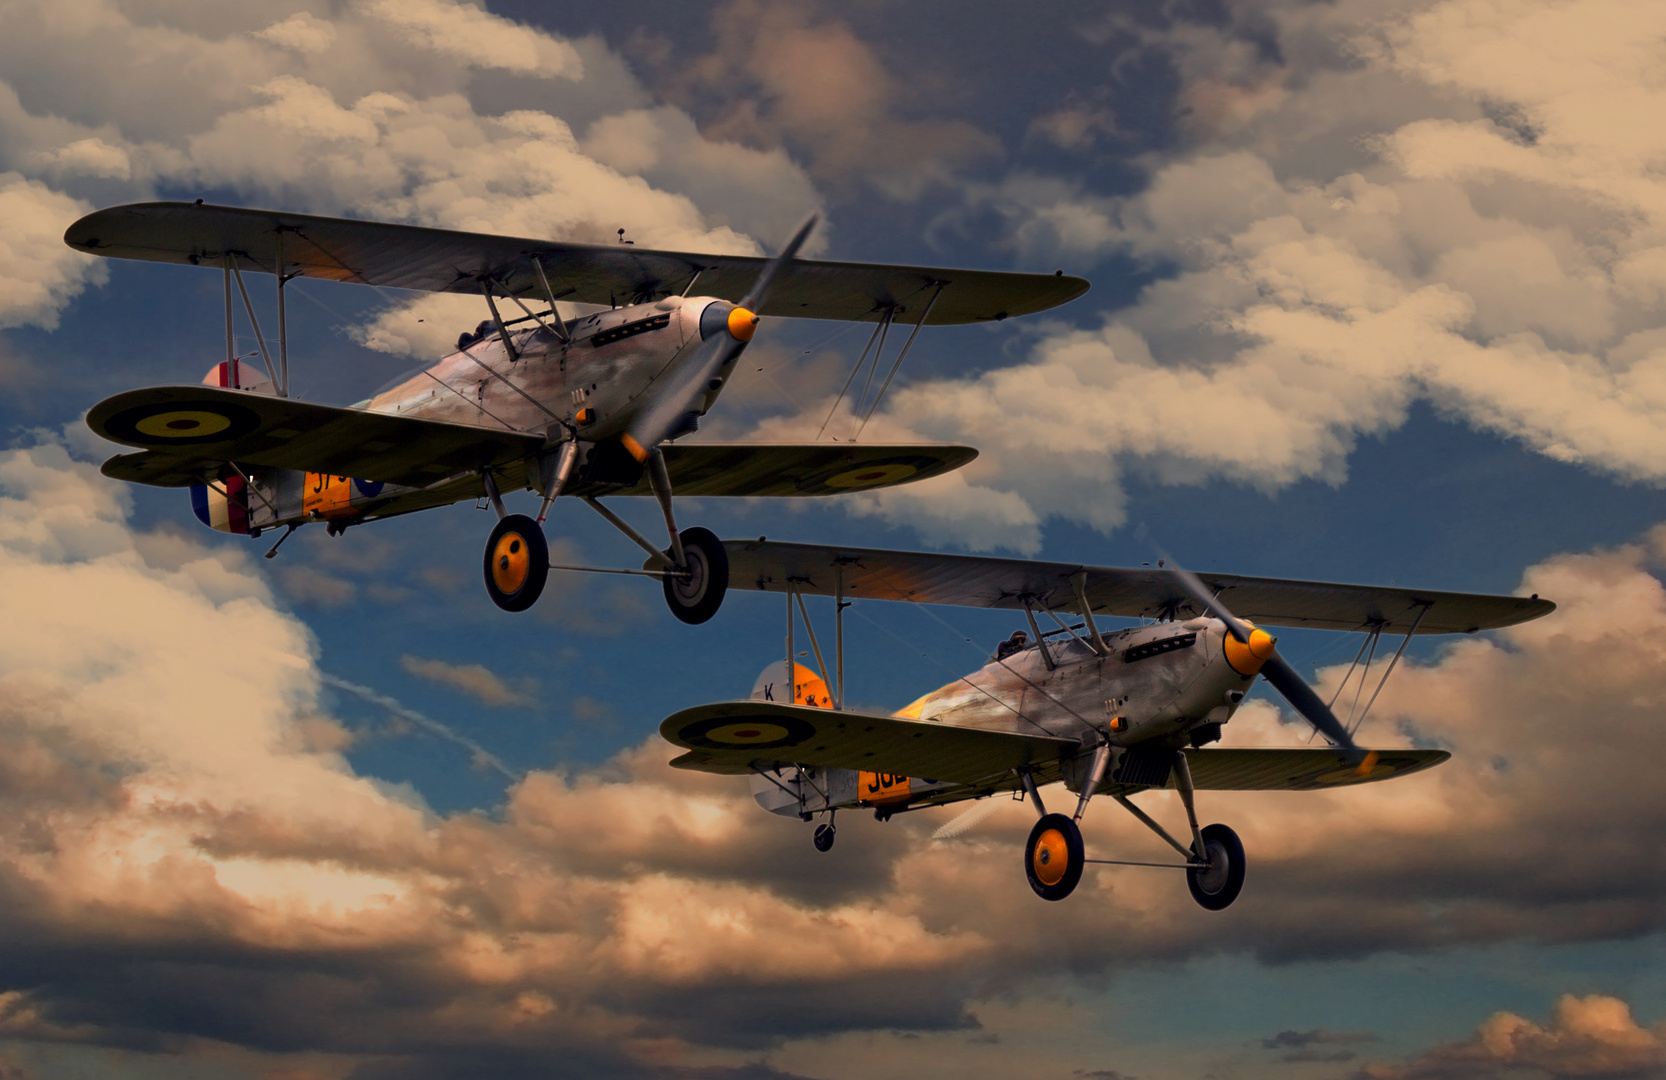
(511, 562)
(1051, 857)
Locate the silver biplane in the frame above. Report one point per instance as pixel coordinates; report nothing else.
(1108, 712)
(585, 407)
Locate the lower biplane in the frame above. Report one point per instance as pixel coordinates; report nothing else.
(1107, 712)
(586, 407)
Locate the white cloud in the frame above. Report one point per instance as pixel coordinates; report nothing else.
(476, 680)
(89, 157)
(38, 273)
(1453, 210)
(425, 327)
(1593, 1035)
(373, 110)
(478, 37)
(303, 32)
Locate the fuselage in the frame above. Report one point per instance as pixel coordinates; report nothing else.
(589, 385)
(1163, 685)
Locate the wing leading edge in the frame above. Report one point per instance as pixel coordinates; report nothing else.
(977, 581)
(440, 260)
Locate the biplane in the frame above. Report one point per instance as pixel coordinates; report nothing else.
(589, 406)
(1111, 712)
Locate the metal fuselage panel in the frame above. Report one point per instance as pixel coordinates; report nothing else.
(1152, 688)
(478, 384)
(590, 387)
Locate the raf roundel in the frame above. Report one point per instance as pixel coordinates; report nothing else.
(891, 472)
(755, 733)
(183, 423)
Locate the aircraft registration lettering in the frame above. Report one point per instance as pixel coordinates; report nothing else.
(881, 787)
(327, 496)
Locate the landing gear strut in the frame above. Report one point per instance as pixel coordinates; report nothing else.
(694, 569)
(1053, 856)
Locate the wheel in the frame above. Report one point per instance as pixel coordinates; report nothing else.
(517, 563)
(824, 837)
(1053, 857)
(1218, 884)
(696, 597)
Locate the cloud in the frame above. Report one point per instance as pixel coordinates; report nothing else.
(632, 917)
(38, 274)
(1400, 209)
(1311, 1046)
(473, 679)
(478, 37)
(374, 110)
(480, 756)
(1301, 1040)
(309, 585)
(1591, 1036)
(425, 327)
(303, 32)
(784, 77)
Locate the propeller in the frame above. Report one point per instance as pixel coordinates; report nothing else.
(721, 345)
(1257, 653)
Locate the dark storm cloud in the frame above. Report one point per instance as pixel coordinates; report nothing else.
(1301, 1040)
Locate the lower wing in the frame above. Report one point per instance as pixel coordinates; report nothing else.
(739, 737)
(187, 432)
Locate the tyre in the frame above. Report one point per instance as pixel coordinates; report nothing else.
(824, 837)
(1053, 857)
(694, 598)
(517, 563)
(1214, 887)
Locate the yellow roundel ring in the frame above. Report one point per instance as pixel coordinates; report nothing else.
(183, 424)
(742, 324)
(747, 733)
(511, 563)
(1051, 857)
(873, 475)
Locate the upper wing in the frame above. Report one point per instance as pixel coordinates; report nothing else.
(976, 581)
(1297, 768)
(788, 470)
(191, 430)
(439, 260)
(740, 736)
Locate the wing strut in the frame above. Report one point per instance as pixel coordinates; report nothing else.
(260, 339)
(502, 330)
(877, 335)
(1384, 682)
(897, 363)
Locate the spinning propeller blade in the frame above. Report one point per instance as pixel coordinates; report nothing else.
(1260, 654)
(701, 367)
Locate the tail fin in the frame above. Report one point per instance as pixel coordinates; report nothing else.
(808, 687)
(223, 506)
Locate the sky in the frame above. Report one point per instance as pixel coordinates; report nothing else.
(1378, 295)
